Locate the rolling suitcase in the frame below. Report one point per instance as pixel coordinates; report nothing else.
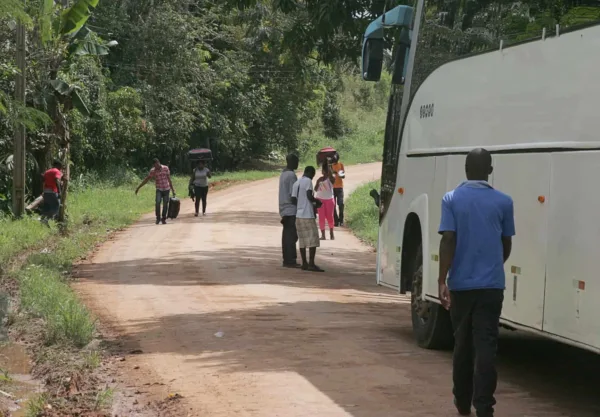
(174, 206)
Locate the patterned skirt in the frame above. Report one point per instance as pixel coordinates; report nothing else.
(308, 233)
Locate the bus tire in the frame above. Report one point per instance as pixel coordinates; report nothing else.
(431, 323)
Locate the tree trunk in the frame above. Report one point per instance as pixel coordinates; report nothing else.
(62, 129)
(66, 158)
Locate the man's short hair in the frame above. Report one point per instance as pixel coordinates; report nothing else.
(57, 164)
(310, 170)
(156, 161)
(291, 158)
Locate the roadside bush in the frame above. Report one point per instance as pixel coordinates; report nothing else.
(362, 213)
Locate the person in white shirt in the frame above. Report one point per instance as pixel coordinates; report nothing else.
(324, 193)
(306, 225)
(199, 181)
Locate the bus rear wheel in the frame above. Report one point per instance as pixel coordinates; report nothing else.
(431, 322)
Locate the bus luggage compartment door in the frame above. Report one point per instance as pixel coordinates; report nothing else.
(526, 178)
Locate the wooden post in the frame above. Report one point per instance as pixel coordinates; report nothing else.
(19, 161)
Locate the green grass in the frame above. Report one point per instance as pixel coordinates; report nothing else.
(95, 210)
(364, 142)
(104, 399)
(35, 405)
(18, 236)
(45, 294)
(362, 215)
(241, 176)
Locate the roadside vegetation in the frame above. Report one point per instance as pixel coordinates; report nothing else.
(36, 264)
(363, 214)
(143, 79)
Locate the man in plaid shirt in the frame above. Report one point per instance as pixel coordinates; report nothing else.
(162, 178)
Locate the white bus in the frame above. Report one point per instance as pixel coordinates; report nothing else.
(523, 81)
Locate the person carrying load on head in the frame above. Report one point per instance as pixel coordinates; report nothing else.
(199, 181)
(324, 193)
(338, 189)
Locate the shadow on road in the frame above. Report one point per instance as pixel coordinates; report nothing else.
(374, 361)
(344, 269)
(262, 218)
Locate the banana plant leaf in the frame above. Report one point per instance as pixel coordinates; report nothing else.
(76, 16)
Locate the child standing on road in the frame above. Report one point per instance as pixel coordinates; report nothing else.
(324, 193)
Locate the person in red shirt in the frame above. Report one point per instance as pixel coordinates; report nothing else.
(52, 190)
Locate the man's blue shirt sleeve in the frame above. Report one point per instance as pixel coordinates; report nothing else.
(447, 222)
(508, 220)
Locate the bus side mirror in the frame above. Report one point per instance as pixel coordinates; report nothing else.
(373, 44)
(372, 62)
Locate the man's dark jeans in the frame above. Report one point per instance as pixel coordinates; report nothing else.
(162, 196)
(289, 238)
(475, 318)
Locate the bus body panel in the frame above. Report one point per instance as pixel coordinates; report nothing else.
(526, 178)
(573, 280)
(416, 178)
(540, 94)
(391, 230)
(536, 97)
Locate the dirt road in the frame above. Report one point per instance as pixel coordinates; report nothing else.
(220, 323)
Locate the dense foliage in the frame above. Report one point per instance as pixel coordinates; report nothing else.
(146, 78)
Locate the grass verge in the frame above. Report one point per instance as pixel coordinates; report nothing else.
(94, 212)
(362, 215)
(37, 261)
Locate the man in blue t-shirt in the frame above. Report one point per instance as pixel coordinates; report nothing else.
(477, 226)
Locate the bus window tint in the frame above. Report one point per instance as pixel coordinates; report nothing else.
(457, 28)
(391, 148)
(577, 14)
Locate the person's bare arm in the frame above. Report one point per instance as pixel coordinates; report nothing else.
(311, 197)
(171, 184)
(294, 198)
(447, 249)
(318, 183)
(58, 185)
(506, 246)
(143, 183)
(208, 173)
(331, 176)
